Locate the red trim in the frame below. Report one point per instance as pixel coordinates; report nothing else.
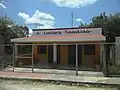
(64, 28)
(67, 36)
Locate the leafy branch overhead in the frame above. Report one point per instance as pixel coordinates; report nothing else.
(110, 25)
(9, 30)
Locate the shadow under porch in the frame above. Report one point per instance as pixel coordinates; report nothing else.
(66, 58)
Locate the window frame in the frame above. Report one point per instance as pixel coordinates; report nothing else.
(89, 49)
(42, 49)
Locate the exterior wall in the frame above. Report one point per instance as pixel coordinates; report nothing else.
(63, 54)
(42, 58)
(90, 60)
(87, 60)
(117, 51)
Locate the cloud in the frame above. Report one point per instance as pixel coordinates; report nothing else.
(2, 5)
(80, 20)
(39, 19)
(30, 32)
(72, 3)
(24, 16)
(44, 27)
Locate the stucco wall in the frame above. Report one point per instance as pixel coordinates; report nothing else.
(64, 54)
(87, 60)
(42, 58)
(90, 60)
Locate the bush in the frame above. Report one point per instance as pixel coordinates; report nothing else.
(9, 49)
(114, 70)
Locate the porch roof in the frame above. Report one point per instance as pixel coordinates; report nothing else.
(67, 38)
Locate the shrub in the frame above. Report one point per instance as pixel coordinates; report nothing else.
(114, 69)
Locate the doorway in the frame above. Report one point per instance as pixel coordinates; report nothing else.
(50, 54)
(80, 55)
(58, 54)
(72, 55)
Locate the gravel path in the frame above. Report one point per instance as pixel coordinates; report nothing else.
(27, 85)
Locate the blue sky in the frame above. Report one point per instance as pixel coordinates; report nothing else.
(56, 13)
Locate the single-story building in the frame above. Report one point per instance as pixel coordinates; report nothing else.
(59, 45)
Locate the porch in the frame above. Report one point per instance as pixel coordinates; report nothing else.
(39, 65)
(74, 51)
(59, 58)
(55, 71)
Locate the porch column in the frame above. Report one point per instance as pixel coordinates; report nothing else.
(101, 55)
(103, 58)
(76, 59)
(13, 57)
(54, 53)
(32, 58)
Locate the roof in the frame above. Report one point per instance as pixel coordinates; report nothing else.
(65, 28)
(67, 38)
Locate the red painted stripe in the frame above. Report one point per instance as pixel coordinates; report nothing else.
(68, 36)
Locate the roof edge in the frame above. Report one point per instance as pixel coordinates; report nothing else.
(64, 28)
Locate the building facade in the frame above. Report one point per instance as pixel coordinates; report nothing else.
(64, 45)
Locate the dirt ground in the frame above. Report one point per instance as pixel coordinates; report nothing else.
(27, 85)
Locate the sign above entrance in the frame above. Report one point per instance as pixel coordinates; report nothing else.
(71, 31)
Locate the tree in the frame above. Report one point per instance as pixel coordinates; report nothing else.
(9, 30)
(83, 24)
(110, 25)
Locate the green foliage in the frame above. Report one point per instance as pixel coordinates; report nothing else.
(9, 50)
(9, 29)
(83, 24)
(114, 69)
(110, 25)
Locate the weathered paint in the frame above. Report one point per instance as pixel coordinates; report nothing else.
(90, 60)
(43, 58)
(87, 60)
(64, 54)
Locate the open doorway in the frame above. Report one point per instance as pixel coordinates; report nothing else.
(72, 55)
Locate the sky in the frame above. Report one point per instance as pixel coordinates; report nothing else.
(56, 13)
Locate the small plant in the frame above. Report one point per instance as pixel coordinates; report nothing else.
(114, 69)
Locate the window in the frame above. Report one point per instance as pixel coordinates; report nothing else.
(89, 49)
(42, 49)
